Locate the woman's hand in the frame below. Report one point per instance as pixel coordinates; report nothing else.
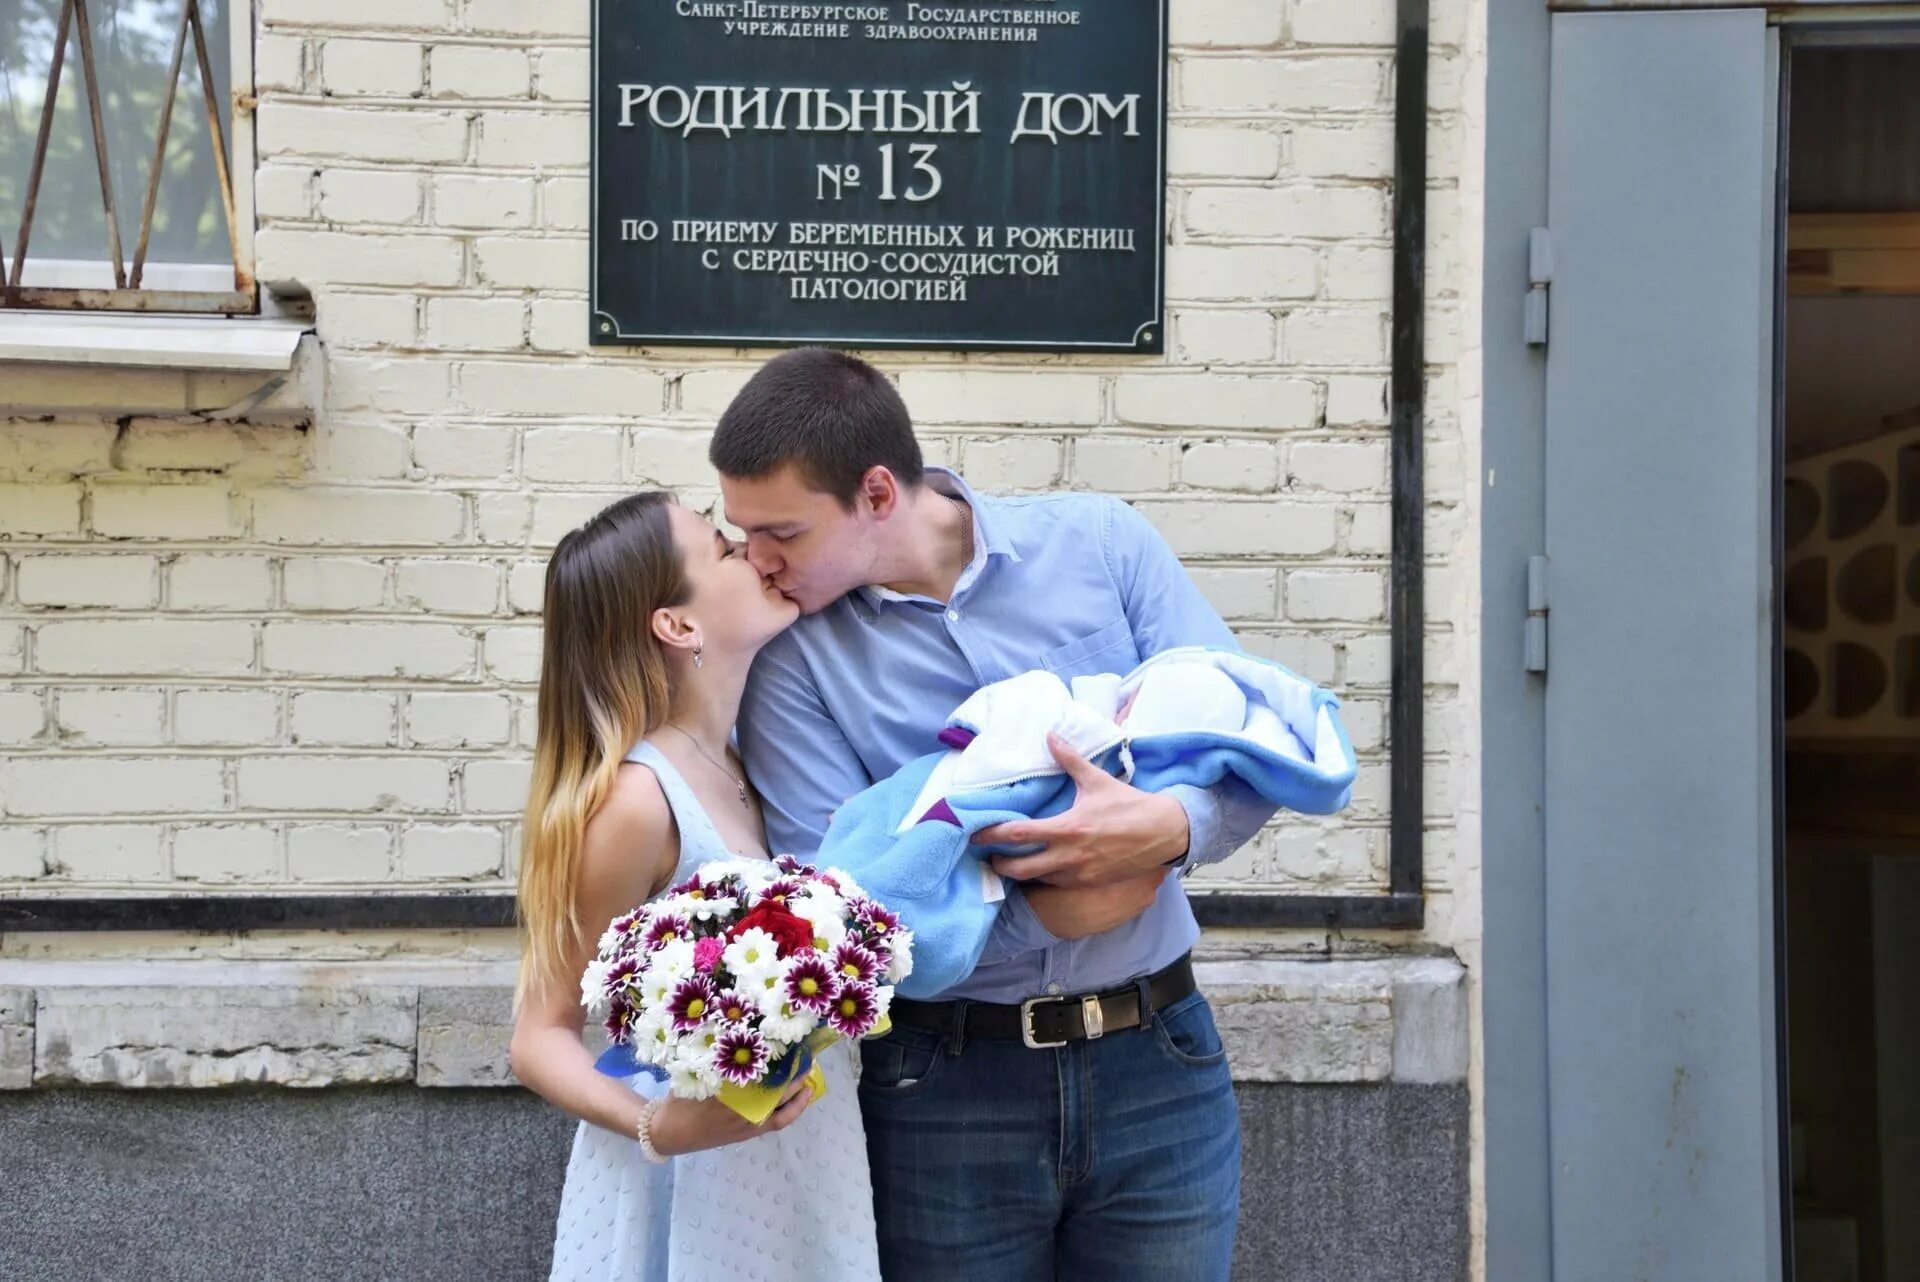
(688, 1126)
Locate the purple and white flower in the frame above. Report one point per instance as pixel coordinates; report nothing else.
(781, 890)
(809, 984)
(734, 1007)
(852, 961)
(740, 1056)
(855, 1010)
(873, 921)
(691, 1004)
(665, 929)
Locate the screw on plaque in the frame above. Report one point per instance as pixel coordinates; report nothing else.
(606, 327)
(1146, 336)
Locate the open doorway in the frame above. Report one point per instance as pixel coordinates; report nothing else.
(1851, 661)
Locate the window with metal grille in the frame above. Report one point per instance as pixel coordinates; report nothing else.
(117, 156)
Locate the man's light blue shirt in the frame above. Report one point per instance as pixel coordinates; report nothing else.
(1076, 583)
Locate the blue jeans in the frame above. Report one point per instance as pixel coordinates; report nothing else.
(1115, 1159)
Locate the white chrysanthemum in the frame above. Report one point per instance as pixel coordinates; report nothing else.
(609, 941)
(849, 888)
(675, 957)
(717, 869)
(655, 992)
(693, 1080)
(824, 897)
(593, 988)
(882, 1001)
(902, 964)
(712, 909)
(652, 1041)
(752, 958)
(651, 1020)
(782, 1023)
(826, 913)
(765, 988)
(658, 980)
(676, 906)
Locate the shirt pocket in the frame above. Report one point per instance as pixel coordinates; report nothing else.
(1110, 649)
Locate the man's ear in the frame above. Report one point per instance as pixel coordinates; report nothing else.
(674, 630)
(880, 491)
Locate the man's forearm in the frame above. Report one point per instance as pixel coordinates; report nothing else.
(1220, 820)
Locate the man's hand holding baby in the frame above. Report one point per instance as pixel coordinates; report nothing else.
(1112, 833)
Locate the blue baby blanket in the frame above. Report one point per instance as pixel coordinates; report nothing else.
(1192, 715)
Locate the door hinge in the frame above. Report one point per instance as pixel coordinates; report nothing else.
(1539, 277)
(1535, 644)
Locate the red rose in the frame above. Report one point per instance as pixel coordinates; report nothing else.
(791, 934)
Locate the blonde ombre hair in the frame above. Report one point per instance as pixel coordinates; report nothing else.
(603, 688)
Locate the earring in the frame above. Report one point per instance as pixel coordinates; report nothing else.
(697, 651)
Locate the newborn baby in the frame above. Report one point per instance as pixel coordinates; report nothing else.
(1191, 717)
(1169, 696)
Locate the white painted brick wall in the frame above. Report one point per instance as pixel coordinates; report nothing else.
(258, 657)
(126, 582)
(343, 718)
(23, 717)
(326, 852)
(370, 196)
(228, 853)
(379, 68)
(436, 720)
(111, 716)
(204, 718)
(481, 71)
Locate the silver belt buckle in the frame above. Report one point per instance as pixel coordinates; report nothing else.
(1026, 1025)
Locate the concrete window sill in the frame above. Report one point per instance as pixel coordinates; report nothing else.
(264, 369)
(146, 342)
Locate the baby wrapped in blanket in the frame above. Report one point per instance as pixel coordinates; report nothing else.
(1186, 716)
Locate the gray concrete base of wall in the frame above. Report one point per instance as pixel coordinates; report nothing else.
(1347, 1183)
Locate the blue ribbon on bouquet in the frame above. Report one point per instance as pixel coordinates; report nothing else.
(619, 1060)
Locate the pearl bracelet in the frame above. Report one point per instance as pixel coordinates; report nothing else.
(643, 1132)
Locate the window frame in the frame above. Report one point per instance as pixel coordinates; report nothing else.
(106, 285)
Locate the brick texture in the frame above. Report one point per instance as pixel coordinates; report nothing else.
(250, 656)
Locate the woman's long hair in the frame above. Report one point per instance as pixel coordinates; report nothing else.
(603, 687)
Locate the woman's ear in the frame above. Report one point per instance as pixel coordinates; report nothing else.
(675, 630)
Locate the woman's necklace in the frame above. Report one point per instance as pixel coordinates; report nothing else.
(740, 785)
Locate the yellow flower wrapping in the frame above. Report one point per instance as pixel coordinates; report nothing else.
(756, 1103)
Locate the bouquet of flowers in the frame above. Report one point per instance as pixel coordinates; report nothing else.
(732, 981)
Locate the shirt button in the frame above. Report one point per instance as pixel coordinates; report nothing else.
(1054, 989)
(953, 616)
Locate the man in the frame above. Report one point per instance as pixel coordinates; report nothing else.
(1066, 1110)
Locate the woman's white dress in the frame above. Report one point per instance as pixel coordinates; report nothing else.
(797, 1204)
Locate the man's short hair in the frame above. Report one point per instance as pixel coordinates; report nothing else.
(832, 414)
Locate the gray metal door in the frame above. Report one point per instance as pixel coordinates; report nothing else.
(1659, 492)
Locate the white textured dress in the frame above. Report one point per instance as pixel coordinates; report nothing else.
(791, 1206)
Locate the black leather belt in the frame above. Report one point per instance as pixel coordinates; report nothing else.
(1046, 1022)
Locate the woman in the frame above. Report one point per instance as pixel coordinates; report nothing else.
(652, 618)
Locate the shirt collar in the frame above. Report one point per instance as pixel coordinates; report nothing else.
(989, 536)
(989, 529)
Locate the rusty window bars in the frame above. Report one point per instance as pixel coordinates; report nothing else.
(129, 291)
